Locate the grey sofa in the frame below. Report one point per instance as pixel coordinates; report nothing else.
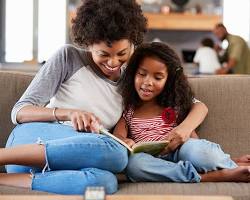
(228, 123)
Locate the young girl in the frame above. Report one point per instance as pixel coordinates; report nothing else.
(157, 98)
(74, 91)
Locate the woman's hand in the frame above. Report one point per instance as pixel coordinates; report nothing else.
(242, 160)
(84, 121)
(178, 136)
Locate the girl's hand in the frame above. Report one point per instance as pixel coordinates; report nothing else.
(165, 151)
(178, 136)
(84, 121)
(129, 142)
(169, 148)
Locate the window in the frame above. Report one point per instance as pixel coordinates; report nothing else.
(26, 35)
(51, 27)
(236, 17)
(19, 30)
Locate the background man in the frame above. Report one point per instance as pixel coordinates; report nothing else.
(237, 53)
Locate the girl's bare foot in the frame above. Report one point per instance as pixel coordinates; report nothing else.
(239, 174)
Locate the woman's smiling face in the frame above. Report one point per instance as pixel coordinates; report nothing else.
(110, 58)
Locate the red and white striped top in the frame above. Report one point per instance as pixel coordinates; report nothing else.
(149, 129)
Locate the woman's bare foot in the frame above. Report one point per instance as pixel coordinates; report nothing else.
(243, 164)
(239, 174)
(242, 160)
(16, 180)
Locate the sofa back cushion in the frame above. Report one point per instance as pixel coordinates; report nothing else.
(12, 86)
(228, 101)
(227, 98)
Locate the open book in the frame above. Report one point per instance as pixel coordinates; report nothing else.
(152, 147)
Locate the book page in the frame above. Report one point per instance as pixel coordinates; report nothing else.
(106, 132)
(151, 147)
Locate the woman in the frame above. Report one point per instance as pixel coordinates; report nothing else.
(80, 85)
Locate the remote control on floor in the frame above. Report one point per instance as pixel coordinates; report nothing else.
(94, 193)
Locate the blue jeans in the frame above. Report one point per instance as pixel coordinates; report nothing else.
(73, 160)
(184, 165)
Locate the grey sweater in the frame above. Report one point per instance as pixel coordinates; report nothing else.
(69, 80)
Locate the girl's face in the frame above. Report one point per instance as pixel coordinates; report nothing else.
(150, 78)
(109, 59)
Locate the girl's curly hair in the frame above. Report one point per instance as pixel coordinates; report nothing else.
(108, 20)
(177, 93)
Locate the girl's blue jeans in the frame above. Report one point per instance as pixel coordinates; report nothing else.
(184, 165)
(74, 160)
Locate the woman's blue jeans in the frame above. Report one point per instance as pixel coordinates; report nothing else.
(184, 165)
(74, 160)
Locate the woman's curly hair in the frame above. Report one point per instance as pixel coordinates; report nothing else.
(108, 20)
(177, 93)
